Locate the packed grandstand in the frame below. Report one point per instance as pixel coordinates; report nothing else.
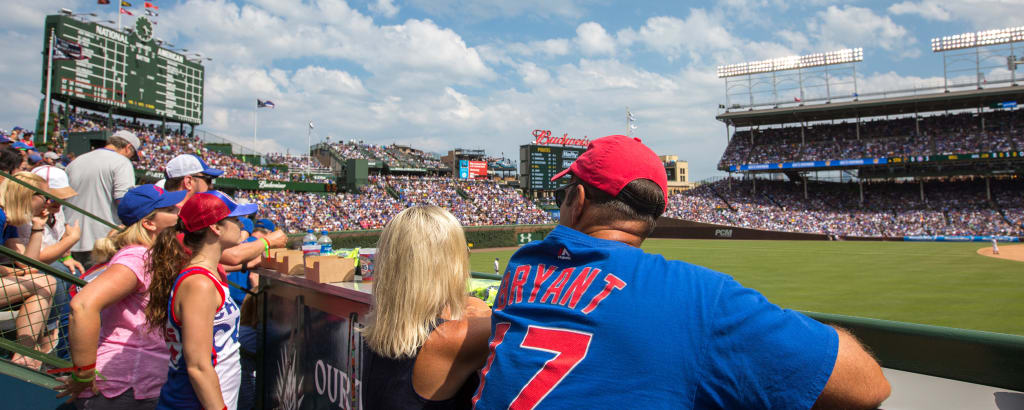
(890, 208)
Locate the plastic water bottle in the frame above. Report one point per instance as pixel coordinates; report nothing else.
(325, 243)
(309, 245)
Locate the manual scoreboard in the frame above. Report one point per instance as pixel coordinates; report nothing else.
(101, 68)
(541, 162)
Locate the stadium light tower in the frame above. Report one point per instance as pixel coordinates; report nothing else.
(976, 42)
(755, 72)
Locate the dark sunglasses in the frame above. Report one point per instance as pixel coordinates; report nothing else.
(561, 192)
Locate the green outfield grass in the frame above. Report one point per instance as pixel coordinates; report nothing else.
(944, 284)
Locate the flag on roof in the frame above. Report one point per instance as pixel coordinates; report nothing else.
(264, 103)
(102, 1)
(311, 125)
(67, 50)
(152, 13)
(797, 99)
(125, 4)
(149, 5)
(123, 11)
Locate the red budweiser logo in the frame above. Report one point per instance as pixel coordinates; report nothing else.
(543, 137)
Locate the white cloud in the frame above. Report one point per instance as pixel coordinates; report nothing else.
(980, 14)
(928, 11)
(384, 8)
(478, 10)
(551, 47)
(594, 40)
(262, 33)
(860, 27)
(320, 80)
(533, 75)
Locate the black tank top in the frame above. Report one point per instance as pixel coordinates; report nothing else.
(387, 384)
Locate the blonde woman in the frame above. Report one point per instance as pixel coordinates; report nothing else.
(426, 338)
(20, 205)
(107, 330)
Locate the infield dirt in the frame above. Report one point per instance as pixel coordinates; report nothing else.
(1009, 252)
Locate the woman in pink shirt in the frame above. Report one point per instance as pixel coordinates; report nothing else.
(130, 355)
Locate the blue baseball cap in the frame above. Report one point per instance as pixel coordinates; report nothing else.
(247, 224)
(4, 139)
(34, 158)
(207, 208)
(189, 164)
(21, 145)
(143, 199)
(17, 128)
(265, 224)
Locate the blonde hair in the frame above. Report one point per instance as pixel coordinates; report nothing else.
(422, 269)
(17, 199)
(135, 234)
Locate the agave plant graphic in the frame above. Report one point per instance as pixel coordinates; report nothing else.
(289, 382)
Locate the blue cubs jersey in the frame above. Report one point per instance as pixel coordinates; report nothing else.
(591, 323)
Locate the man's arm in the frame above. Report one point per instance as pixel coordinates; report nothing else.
(857, 381)
(242, 253)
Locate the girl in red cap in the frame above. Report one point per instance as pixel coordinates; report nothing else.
(188, 299)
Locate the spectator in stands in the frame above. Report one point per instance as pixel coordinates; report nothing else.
(51, 158)
(425, 337)
(57, 241)
(738, 350)
(19, 206)
(189, 299)
(101, 177)
(190, 173)
(108, 329)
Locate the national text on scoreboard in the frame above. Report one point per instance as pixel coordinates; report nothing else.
(540, 162)
(126, 71)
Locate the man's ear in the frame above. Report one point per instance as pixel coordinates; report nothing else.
(576, 206)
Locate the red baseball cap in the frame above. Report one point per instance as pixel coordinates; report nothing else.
(207, 208)
(612, 162)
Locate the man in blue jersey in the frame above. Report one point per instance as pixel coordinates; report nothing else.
(587, 319)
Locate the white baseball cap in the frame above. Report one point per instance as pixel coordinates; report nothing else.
(51, 155)
(189, 164)
(57, 179)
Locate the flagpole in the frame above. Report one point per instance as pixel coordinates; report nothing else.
(254, 110)
(308, 148)
(118, 15)
(49, 79)
(627, 121)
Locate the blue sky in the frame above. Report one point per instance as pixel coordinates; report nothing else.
(439, 74)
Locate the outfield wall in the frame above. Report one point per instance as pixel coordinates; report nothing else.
(672, 228)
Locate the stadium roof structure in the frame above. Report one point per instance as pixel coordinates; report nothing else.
(920, 103)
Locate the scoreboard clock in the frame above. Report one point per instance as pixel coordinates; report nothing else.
(541, 162)
(126, 72)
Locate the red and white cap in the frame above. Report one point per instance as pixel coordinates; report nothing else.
(612, 162)
(207, 208)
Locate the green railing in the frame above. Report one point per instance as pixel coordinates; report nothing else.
(991, 359)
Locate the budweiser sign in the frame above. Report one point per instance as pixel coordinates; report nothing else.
(543, 137)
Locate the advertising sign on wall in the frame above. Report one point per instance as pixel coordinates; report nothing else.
(472, 169)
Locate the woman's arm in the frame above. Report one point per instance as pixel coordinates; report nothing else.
(196, 303)
(116, 283)
(453, 352)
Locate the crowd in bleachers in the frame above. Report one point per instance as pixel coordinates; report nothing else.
(157, 150)
(891, 209)
(395, 156)
(935, 135)
(478, 203)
